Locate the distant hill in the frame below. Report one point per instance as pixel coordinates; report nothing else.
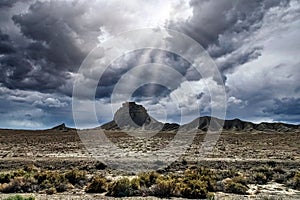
(61, 127)
(213, 123)
(132, 116)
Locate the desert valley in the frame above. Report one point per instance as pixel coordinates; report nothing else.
(139, 99)
(257, 161)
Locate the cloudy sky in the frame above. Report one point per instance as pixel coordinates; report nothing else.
(254, 44)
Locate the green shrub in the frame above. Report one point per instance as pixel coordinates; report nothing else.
(236, 185)
(147, 179)
(20, 185)
(163, 188)
(179, 186)
(295, 182)
(53, 179)
(202, 174)
(195, 189)
(18, 173)
(18, 197)
(260, 178)
(51, 191)
(266, 171)
(5, 178)
(97, 185)
(30, 179)
(120, 188)
(62, 187)
(46, 184)
(240, 179)
(195, 183)
(135, 183)
(48, 179)
(76, 176)
(210, 181)
(236, 188)
(30, 169)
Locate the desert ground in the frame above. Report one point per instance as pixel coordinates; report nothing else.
(268, 160)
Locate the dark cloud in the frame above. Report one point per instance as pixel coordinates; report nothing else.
(285, 106)
(6, 45)
(214, 18)
(124, 64)
(47, 51)
(151, 90)
(223, 27)
(239, 59)
(7, 3)
(14, 68)
(13, 63)
(254, 44)
(57, 44)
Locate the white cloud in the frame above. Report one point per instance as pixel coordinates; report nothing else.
(234, 100)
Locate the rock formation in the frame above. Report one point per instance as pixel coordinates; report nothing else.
(61, 127)
(132, 116)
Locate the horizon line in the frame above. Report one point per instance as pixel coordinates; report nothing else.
(91, 127)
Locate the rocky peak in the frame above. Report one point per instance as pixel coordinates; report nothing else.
(132, 115)
(61, 127)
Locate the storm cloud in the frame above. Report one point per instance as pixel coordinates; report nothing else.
(254, 44)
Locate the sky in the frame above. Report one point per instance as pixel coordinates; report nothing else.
(255, 46)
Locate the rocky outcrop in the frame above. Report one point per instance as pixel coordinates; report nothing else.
(237, 124)
(132, 116)
(170, 127)
(280, 127)
(61, 127)
(213, 124)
